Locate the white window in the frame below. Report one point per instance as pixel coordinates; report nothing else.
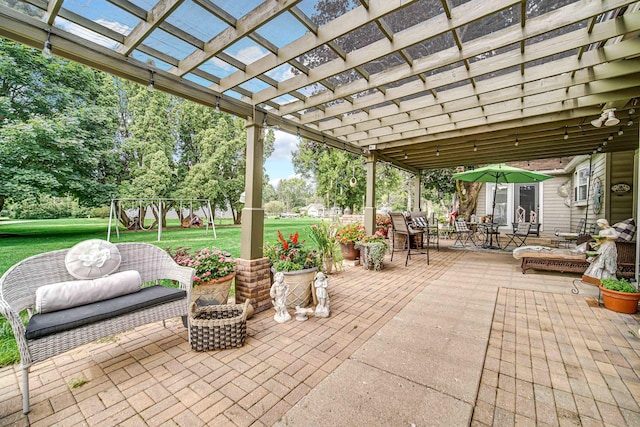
(580, 185)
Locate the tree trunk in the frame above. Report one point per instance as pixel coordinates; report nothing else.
(468, 196)
(1, 203)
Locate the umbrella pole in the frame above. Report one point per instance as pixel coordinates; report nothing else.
(493, 216)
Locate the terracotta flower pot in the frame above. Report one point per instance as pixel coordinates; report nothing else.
(349, 252)
(212, 292)
(621, 302)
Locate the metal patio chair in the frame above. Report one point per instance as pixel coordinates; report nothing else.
(463, 232)
(519, 235)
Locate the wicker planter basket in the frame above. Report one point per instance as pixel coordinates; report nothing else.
(218, 327)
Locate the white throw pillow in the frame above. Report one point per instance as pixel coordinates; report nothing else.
(92, 259)
(59, 296)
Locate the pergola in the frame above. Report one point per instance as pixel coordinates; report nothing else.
(419, 84)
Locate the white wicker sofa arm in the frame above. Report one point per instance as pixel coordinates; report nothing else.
(49, 334)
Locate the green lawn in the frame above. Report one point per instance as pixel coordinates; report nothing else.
(21, 239)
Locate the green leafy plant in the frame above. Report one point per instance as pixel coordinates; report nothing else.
(618, 285)
(290, 254)
(350, 233)
(375, 248)
(209, 264)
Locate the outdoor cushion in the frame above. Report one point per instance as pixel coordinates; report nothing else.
(545, 252)
(41, 325)
(626, 229)
(63, 295)
(92, 258)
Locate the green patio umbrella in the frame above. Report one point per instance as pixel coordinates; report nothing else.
(500, 174)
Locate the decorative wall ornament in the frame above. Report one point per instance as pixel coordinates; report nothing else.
(620, 188)
(564, 191)
(597, 195)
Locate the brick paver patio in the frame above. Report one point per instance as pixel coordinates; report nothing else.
(551, 357)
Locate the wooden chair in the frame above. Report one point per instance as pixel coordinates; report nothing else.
(519, 235)
(400, 227)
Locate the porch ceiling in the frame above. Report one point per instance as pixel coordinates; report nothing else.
(422, 82)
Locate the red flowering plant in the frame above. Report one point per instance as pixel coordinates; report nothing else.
(383, 223)
(290, 254)
(350, 233)
(210, 264)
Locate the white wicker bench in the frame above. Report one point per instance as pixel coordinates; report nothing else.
(18, 289)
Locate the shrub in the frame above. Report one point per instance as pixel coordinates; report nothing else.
(619, 285)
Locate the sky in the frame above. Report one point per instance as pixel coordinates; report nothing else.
(278, 165)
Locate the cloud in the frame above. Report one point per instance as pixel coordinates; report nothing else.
(250, 54)
(221, 64)
(281, 73)
(284, 144)
(90, 35)
(118, 27)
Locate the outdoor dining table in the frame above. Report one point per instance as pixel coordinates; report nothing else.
(490, 230)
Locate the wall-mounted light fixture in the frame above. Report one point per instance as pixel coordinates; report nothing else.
(437, 150)
(607, 118)
(475, 147)
(217, 104)
(517, 142)
(46, 48)
(566, 134)
(152, 82)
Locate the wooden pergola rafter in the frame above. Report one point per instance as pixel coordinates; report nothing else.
(434, 73)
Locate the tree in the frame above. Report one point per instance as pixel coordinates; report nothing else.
(334, 171)
(56, 126)
(274, 207)
(294, 192)
(149, 132)
(213, 156)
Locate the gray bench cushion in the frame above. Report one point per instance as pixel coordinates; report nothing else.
(45, 324)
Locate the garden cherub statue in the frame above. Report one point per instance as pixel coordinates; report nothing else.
(605, 263)
(278, 293)
(320, 284)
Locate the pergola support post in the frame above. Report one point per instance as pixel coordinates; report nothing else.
(370, 198)
(253, 280)
(417, 192)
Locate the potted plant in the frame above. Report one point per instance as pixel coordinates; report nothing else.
(215, 271)
(324, 236)
(347, 236)
(372, 251)
(383, 223)
(619, 295)
(298, 264)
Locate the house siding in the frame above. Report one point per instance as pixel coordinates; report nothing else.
(621, 170)
(555, 214)
(582, 212)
